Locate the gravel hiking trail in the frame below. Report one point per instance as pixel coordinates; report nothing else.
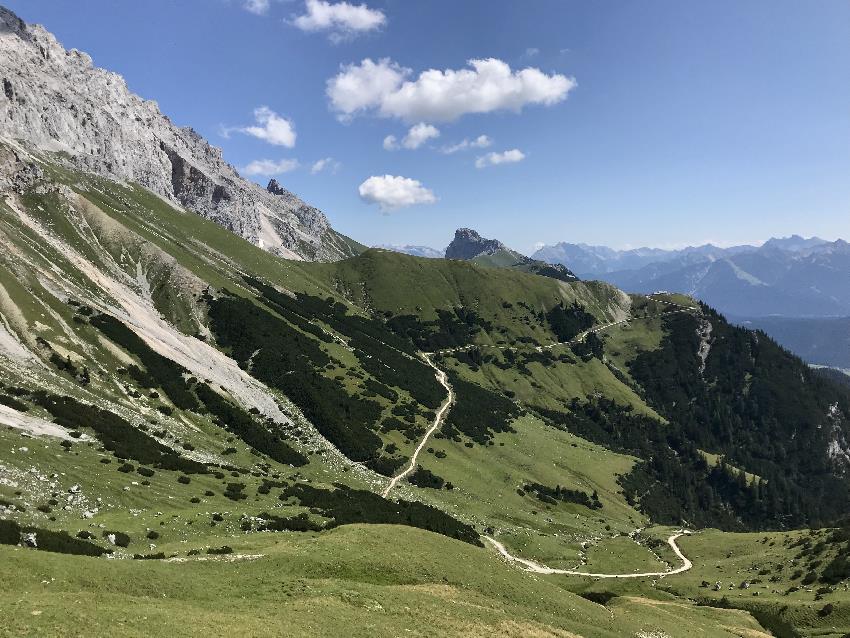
(441, 413)
(530, 565)
(537, 568)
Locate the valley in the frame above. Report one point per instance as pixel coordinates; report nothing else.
(495, 478)
(220, 415)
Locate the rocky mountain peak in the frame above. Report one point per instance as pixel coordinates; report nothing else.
(55, 100)
(276, 189)
(11, 23)
(468, 244)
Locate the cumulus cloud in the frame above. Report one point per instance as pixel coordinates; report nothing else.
(270, 127)
(416, 137)
(267, 167)
(359, 87)
(419, 134)
(531, 52)
(391, 192)
(493, 159)
(391, 143)
(325, 164)
(340, 20)
(385, 88)
(258, 7)
(482, 141)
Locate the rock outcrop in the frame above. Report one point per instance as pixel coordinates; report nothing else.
(57, 101)
(468, 244)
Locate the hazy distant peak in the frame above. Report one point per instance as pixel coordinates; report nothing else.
(416, 251)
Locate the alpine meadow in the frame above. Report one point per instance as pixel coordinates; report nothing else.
(227, 411)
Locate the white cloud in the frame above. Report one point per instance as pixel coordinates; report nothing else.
(482, 141)
(419, 134)
(391, 143)
(341, 20)
(360, 87)
(272, 128)
(325, 164)
(416, 137)
(493, 159)
(391, 192)
(258, 7)
(269, 167)
(439, 96)
(531, 52)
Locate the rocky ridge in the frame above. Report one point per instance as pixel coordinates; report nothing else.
(55, 100)
(468, 244)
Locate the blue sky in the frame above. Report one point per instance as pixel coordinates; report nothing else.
(642, 122)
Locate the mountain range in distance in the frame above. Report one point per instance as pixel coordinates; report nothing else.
(415, 251)
(784, 277)
(468, 245)
(793, 288)
(788, 277)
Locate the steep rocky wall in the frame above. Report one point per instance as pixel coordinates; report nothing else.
(57, 100)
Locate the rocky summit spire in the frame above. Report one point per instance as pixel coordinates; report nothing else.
(276, 189)
(468, 244)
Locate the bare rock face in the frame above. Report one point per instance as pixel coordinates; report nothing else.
(468, 244)
(56, 100)
(17, 172)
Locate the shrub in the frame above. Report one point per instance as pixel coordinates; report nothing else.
(234, 491)
(241, 423)
(219, 551)
(160, 370)
(288, 360)
(345, 506)
(48, 540)
(115, 433)
(10, 533)
(299, 523)
(13, 403)
(157, 556)
(426, 478)
(121, 539)
(478, 413)
(553, 495)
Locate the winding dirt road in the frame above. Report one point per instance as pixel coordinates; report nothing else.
(530, 565)
(537, 568)
(441, 413)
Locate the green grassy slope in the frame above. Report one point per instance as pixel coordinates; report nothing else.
(357, 581)
(318, 362)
